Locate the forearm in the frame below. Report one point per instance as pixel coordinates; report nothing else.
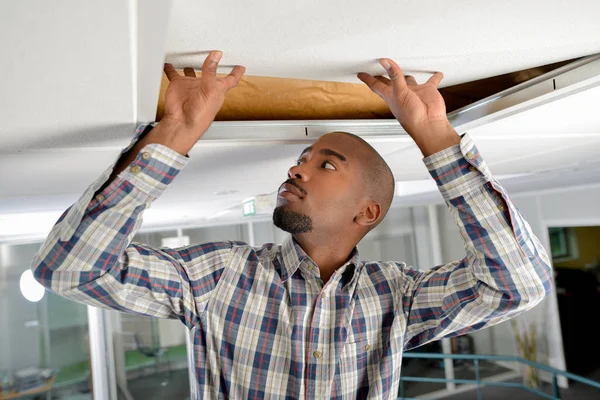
(434, 137)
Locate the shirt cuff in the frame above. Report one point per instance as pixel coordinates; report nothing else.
(459, 169)
(153, 169)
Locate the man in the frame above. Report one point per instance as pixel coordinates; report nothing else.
(307, 319)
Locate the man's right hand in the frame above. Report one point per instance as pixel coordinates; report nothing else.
(193, 102)
(191, 105)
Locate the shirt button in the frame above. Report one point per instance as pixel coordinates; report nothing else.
(469, 154)
(501, 207)
(99, 198)
(324, 295)
(317, 354)
(367, 348)
(136, 169)
(472, 168)
(146, 156)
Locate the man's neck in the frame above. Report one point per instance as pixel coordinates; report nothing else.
(327, 255)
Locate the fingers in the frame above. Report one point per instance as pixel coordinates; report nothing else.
(383, 79)
(170, 71)
(410, 80)
(209, 68)
(234, 77)
(395, 73)
(436, 79)
(189, 72)
(374, 84)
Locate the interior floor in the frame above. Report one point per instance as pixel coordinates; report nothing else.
(576, 391)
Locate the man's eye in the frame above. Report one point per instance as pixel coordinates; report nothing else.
(326, 164)
(331, 166)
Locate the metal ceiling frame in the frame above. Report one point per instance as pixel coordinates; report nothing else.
(569, 79)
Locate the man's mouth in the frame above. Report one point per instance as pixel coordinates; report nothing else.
(290, 189)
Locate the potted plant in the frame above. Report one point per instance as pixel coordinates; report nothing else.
(526, 339)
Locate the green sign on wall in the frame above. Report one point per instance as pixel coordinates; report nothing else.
(249, 208)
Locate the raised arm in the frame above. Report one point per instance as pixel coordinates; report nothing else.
(88, 255)
(506, 270)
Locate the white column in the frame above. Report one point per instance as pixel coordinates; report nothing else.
(251, 234)
(189, 344)
(436, 253)
(119, 354)
(45, 326)
(101, 354)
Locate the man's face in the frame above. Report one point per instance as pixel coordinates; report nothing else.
(322, 192)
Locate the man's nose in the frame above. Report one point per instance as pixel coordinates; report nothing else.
(297, 172)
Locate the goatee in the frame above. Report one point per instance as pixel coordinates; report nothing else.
(291, 221)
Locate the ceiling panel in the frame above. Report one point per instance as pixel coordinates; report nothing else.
(334, 40)
(69, 97)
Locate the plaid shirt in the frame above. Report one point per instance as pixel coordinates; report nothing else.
(263, 324)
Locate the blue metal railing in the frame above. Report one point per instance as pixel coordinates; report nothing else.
(479, 383)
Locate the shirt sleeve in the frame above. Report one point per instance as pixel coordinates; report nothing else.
(505, 272)
(88, 255)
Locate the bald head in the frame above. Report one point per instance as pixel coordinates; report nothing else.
(378, 179)
(339, 184)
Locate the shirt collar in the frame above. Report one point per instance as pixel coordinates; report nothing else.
(293, 256)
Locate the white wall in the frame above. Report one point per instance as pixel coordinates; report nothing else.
(402, 236)
(266, 232)
(217, 233)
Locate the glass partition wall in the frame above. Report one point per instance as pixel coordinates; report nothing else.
(44, 343)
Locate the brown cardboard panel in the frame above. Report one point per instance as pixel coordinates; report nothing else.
(265, 98)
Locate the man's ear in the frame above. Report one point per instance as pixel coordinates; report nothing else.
(369, 215)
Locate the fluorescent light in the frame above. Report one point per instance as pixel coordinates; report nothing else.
(176, 241)
(20, 224)
(408, 188)
(220, 214)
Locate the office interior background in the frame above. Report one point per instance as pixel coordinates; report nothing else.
(150, 356)
(80, 76)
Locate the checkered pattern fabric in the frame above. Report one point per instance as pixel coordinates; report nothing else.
(263, 324)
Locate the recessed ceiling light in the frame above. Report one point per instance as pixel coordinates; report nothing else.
(225, 192)
(220, 214)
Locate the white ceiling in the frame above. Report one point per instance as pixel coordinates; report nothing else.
(80, 76)
(334, 40)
